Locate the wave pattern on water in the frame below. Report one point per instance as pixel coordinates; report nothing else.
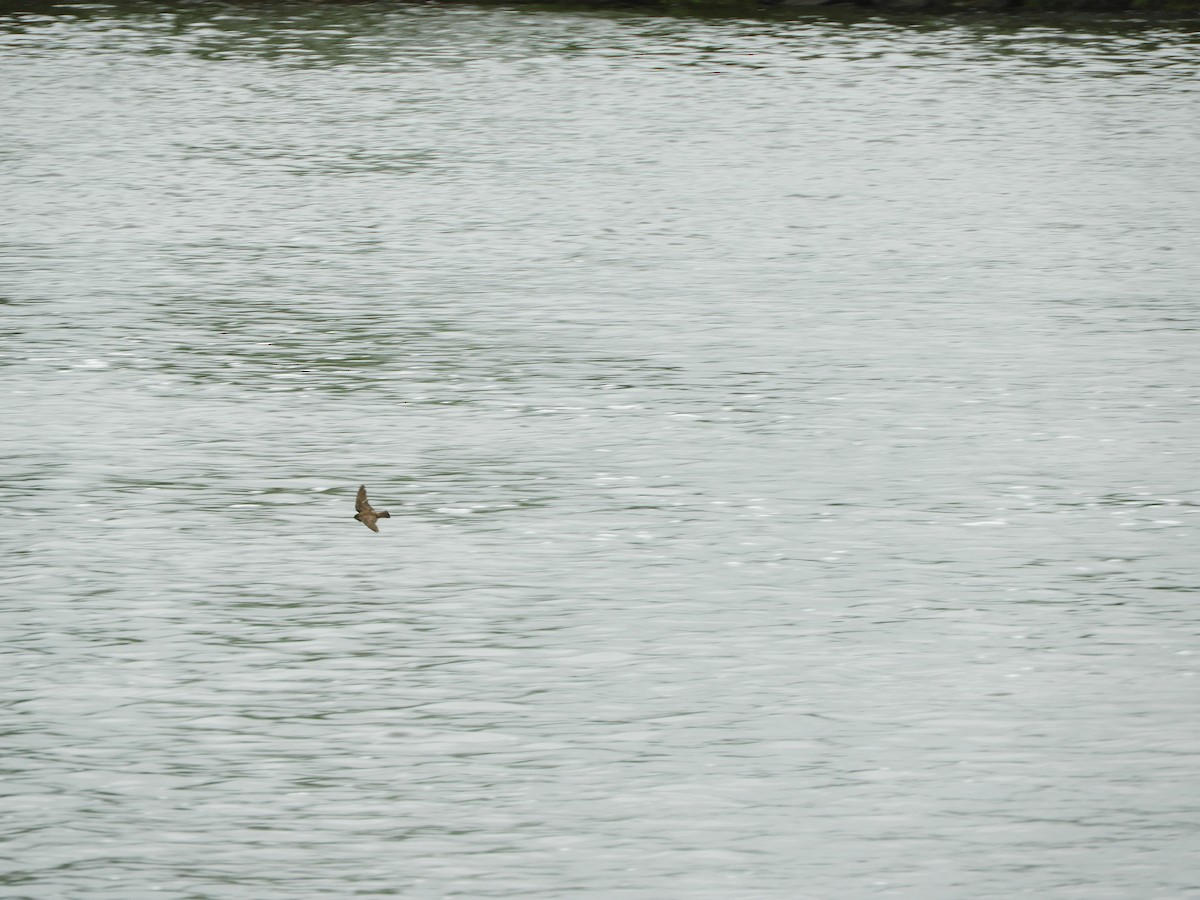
(787, 429)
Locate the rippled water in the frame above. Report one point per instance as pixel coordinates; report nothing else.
(789, 430)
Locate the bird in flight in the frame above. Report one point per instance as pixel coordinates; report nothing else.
(365, 513)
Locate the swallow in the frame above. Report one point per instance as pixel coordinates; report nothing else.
(365, 514)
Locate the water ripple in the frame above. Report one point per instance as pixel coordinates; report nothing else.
(785, 427)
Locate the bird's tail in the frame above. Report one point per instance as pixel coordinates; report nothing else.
(385, 515)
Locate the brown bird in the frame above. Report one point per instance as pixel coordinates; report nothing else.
(365, 513)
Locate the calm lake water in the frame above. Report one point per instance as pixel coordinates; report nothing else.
(789, 430)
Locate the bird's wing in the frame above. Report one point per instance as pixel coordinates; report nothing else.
(360, 502)
(370, 523)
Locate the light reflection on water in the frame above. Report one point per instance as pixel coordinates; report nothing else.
(786, 426)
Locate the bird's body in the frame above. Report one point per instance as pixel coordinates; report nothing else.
(365, 513)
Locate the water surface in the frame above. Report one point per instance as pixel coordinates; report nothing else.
(788, 428)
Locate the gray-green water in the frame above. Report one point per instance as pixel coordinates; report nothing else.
(789, 431)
